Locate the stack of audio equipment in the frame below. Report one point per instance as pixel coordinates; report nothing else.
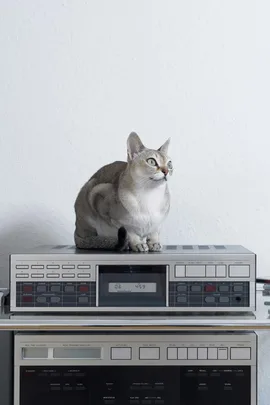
(126, 367)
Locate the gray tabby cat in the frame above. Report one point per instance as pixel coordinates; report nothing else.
(123, 204)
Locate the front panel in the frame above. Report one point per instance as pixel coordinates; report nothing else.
(134, 282)
(187, 369)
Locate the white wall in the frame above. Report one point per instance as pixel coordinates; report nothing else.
(76, 77)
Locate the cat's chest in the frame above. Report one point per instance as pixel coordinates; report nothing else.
(148, 212)
(152, 204)
(152, 201)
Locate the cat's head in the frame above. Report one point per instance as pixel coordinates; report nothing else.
(153, 165)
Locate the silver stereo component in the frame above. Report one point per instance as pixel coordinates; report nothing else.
(180, 278)
(135, 369)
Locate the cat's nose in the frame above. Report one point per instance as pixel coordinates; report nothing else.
(164, 170)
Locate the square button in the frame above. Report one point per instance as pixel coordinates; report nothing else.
(27, 288)
(182, 353)
(180, 271)
(212, 353)
(221, 271)
(70, 288)
(41, 288)
(222, 353)
(83, 300)
(224, 300)
(83, 288)
(210, 271)
(149, 353)
(239, 271)
(172, 353)
(240, 353)
(192, 353)
(27, 298)
(195, 271)
(196, 288)
(202, 353)
(54, 288)
(121, 353)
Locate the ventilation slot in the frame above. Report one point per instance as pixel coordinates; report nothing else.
(171, 247)
(203, 247)
(188, 247)
(219, 247)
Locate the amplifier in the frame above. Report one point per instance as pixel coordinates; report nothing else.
(135, 369)
(180, 278)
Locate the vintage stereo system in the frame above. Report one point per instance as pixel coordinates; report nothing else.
(135, 369)
(180, 278)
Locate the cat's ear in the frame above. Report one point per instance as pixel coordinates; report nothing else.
(134, 146)
(165, 146)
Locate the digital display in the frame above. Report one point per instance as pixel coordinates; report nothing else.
(132, 287)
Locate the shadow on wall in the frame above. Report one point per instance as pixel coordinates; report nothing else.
(27, 232)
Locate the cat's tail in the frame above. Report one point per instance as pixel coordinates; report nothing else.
(95, 242)
(122, 243)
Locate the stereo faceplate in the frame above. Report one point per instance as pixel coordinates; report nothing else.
(165, 349)
(173, 280)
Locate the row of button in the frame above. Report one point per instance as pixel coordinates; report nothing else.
(200, 353)
(56, 288)
(209, 288)
(53, 300)
(183, 353)
(145, 353)
(209, 299)
(208, 353)
(219, 271)
(53, 275)
(52, 266)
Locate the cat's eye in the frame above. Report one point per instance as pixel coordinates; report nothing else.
(169, 164)
(151, 162)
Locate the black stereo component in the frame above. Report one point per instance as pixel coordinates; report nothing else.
(135, 369)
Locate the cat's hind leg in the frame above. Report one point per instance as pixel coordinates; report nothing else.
(95, 242)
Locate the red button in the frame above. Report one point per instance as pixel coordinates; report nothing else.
(27, 298)
(27, 288)
(210, 288)
(84, 288)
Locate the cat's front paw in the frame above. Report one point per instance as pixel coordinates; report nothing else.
(139, 247)
(154, 247)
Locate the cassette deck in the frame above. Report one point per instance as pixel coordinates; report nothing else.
(177, 279)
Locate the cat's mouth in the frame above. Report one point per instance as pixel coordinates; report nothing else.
(161, 179)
